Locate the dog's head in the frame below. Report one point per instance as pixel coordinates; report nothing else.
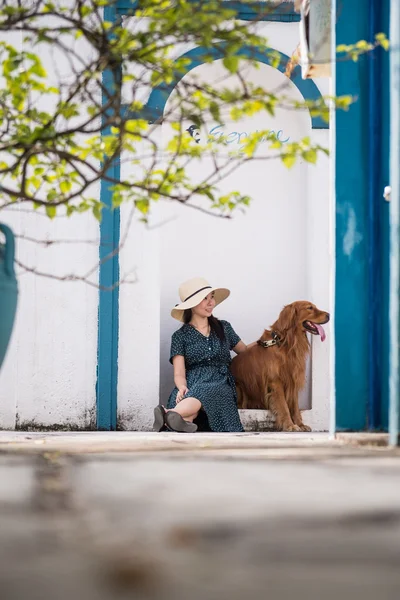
(302, 315)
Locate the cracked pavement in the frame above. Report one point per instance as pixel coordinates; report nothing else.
(118, 516)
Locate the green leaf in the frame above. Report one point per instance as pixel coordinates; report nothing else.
(344, 102)
(310, 156)
(97, 212)
(117, 199)
(65, 186)
(85, 11)
(49, 7)
(274, 58)
(231, 63)
(38, 69)
(385, 44)
(143, 206)
(51, 211)
(51, 195)
(288, 160)
(214, 110)
(363, 45)
(382, 40)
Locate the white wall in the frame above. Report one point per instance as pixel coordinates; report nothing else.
(139, 326)
(49, 374)
(320, 261)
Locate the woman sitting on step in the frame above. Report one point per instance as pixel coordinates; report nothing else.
(204, 396)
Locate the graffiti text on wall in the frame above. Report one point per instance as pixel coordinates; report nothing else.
(218, 133)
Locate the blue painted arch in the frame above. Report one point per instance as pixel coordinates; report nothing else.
(155, 106)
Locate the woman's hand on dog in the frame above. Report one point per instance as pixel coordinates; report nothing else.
(182, 391)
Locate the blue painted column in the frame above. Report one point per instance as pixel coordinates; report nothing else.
(351, 284)
(362, 235)
(107, 365)
(394, 299)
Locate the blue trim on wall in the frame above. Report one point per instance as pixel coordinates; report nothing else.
(107, 360)
(124, 7)
(351, 293)
(155, 106)
(262, 12)
(248, 11)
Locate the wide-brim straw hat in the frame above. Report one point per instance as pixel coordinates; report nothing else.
(192, 292)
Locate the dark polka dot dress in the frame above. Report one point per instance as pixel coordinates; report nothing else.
(208, 377)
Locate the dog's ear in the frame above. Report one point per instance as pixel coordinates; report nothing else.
(288, 318)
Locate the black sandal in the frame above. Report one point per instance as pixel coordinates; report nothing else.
(159, 418)
(175, 422)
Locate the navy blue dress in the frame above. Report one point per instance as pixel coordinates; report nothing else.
(208, 377)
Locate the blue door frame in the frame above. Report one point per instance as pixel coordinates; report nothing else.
(362, 265)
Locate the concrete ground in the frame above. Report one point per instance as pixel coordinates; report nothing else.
(112, 516)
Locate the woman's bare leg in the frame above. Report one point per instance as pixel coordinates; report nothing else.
(188, 408)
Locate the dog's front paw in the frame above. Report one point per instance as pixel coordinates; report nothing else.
(304, 427)
(290, 427)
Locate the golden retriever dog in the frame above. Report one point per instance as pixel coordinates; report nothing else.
(270, 374)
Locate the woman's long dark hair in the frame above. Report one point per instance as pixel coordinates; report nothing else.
(215, 324)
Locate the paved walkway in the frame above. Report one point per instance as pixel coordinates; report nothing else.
(112, 516)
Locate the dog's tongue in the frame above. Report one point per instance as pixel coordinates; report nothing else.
(320, 331)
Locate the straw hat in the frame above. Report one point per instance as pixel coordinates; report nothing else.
(192, 292)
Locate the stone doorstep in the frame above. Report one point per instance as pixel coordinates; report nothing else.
(257, 420)
(264, 420)
(254, 421)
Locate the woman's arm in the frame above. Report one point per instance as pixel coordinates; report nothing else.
(241, 347)
(180, 376)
